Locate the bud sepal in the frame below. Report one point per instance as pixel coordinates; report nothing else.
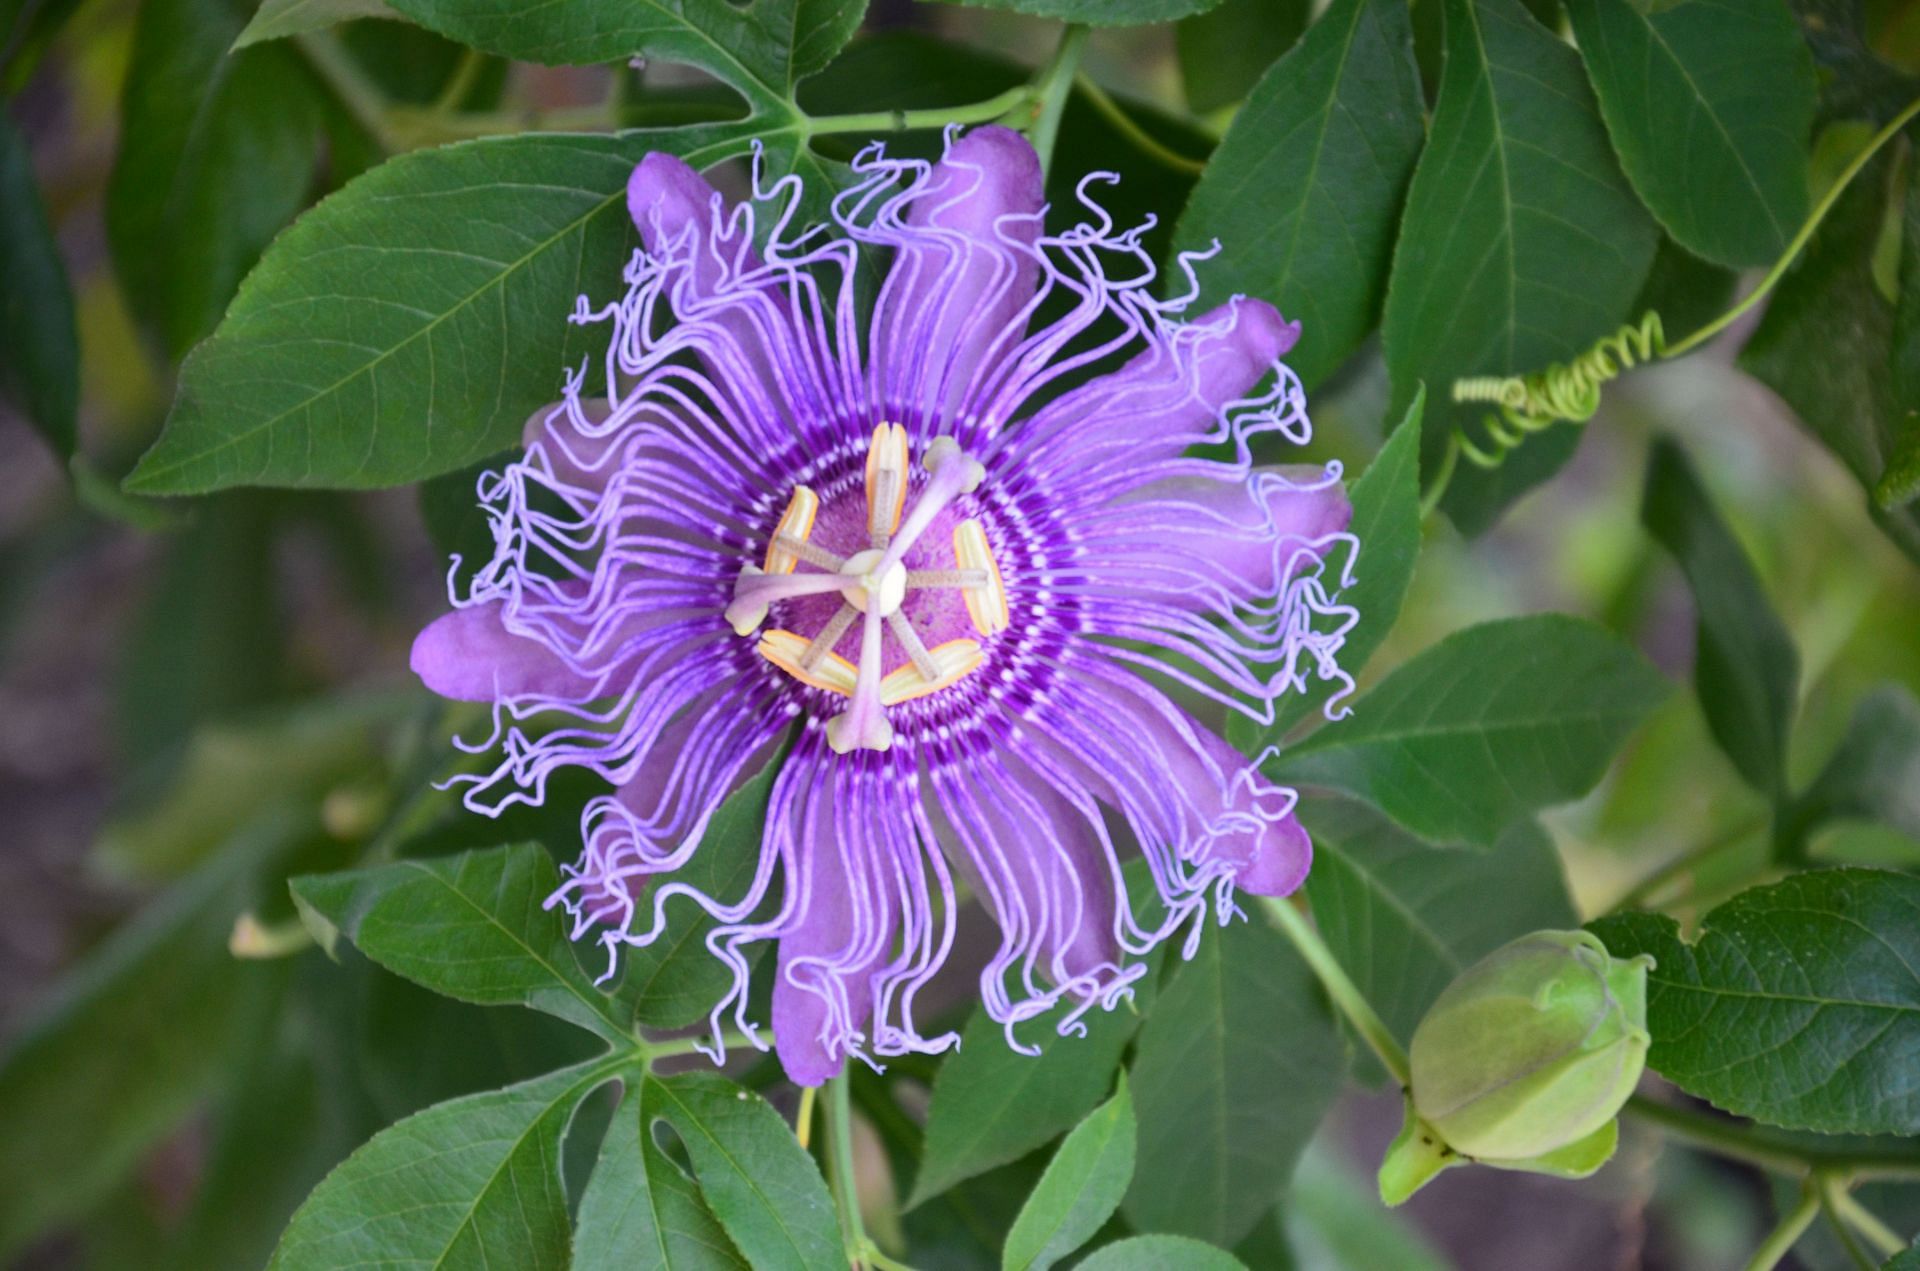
(1523, 1063)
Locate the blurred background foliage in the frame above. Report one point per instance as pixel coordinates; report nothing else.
(198, 700)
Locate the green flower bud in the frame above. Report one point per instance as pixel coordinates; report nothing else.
(1532, 1049)
(1523, 1063)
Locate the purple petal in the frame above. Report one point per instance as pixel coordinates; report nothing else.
(575, 456)
(1231, 813)
(470, 656)
(1250, 536)
(963, 273)
(1042, 865)
(1171, 396)
(841, 934)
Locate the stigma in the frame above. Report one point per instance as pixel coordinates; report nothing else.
(874, 584)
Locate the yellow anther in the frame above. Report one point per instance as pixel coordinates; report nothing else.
(796, 522)
(956, 659)
(833, 673)
(986, 605)
(886, 479)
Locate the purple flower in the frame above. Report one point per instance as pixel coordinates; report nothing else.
(947, 540)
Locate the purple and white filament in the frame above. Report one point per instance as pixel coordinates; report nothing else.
(946, 553)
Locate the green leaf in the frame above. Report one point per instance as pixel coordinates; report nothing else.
(760, 1183)
(1796, 1003)
(1521, 243)
(1224, 51)
(1907, 1260)
(992, 1105)
(762, 47)
(1235, 1067)
(1490, 725)
(1746, 670)
(1709, 103)
(1874, 773)
(1157, 1253)
(277, 19)
(409, 325)
(640, 1213)
(1405, 917)
(39, 343)
(473, 927)
(217, 153)
(1386, 522)
(1830, 301)
(676, 980)
(1304, 191)
(1099, 12)
(131, 1039)
(1080, 1190)
(471, 1182)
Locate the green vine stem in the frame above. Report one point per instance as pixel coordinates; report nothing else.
(1051, 89)
(840, 1178)
(669, 1047)
(1792, 1226)
(1570, 391)
(1346, 995)
(1141, 139)
(1778, 1150)
(1848, 1209)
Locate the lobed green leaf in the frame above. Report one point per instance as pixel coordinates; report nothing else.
(761, 1184)
(1522, 242)
(1405, 917)
(1080, 1190)
(640, 1211)
(409, 324)
(474, 1181)
(1236, 1065)
(1798, 1004)
(473, 927)
(1485, 728)
(217, 153)
(278, 19)
(992, 1105)
(1709, 103)
(1746, 669)
(1830, 300)
(1304, 191)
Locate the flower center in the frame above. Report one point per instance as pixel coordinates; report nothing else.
(873, 585)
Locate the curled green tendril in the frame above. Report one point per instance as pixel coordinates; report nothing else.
(1564, 391)
(1570, 391)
